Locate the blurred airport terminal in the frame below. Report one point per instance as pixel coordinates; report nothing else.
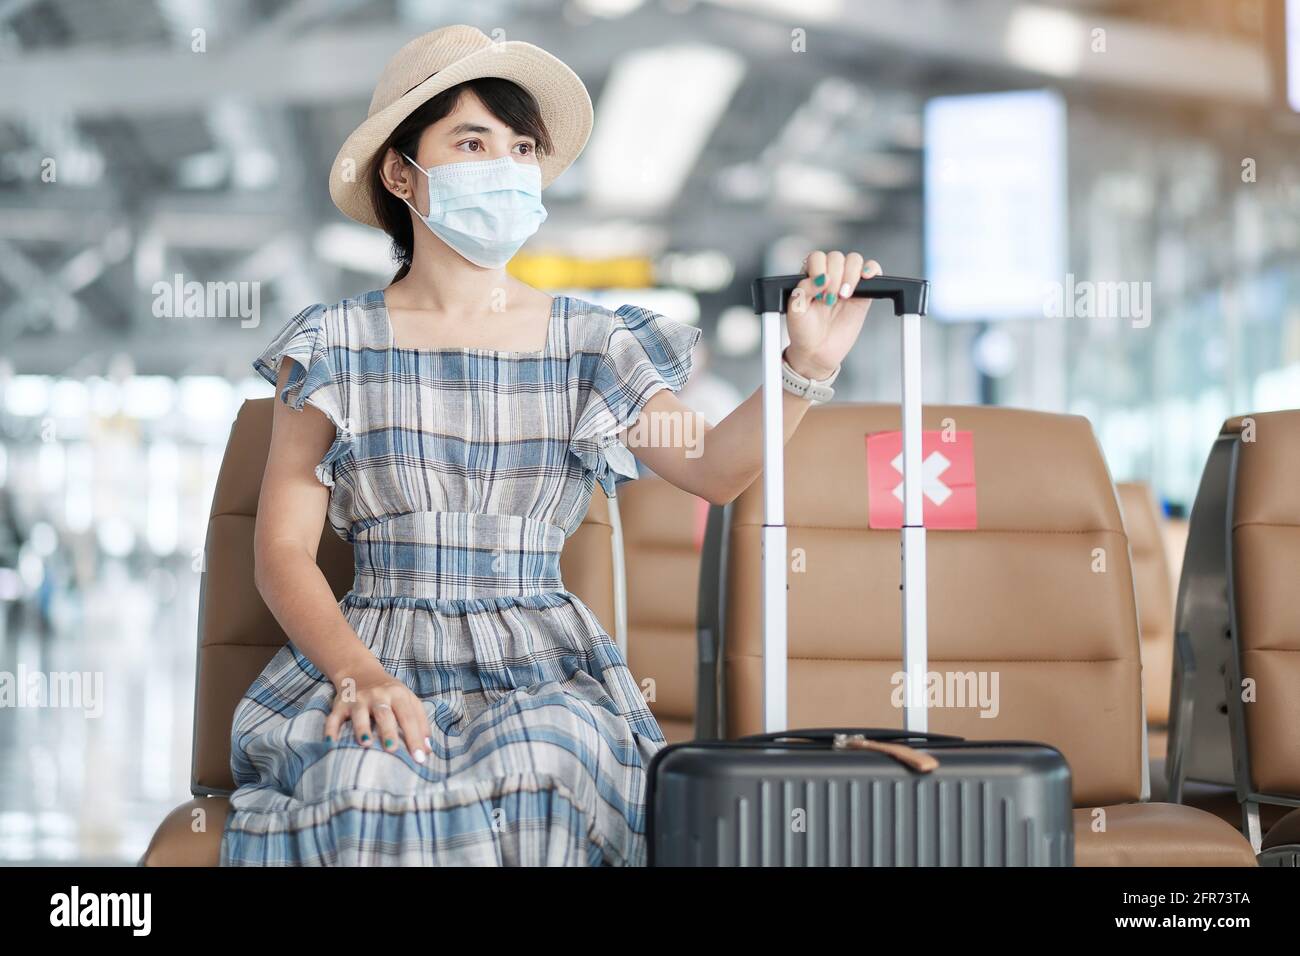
(1104, 194)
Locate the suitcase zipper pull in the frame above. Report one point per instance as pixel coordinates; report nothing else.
(907, 756)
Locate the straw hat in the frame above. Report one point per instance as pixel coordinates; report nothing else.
(439, 60)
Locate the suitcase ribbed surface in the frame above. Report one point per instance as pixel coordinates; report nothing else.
(715, 814)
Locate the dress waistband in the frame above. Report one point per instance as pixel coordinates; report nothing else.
(452, 555)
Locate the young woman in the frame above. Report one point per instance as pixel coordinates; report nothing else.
(458, 706)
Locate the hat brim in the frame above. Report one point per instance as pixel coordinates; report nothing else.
(561, 96)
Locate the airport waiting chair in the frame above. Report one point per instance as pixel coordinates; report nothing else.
(662, 530)
(1155, 603)
(1236, 702)
(237, 634)
(1155, 615)
(1149, 545)
(1040, 594)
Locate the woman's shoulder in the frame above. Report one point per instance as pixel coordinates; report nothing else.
(352, 322)
(588, 324)
(627, 328)
(592, 324)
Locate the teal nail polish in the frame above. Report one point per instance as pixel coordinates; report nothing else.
(830, 298)
(364, 738)
(329, 739)
(388, 743)
(820, 280)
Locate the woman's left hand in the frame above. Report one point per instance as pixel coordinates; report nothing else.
(823, 317)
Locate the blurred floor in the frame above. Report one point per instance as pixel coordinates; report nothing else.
(89, 779)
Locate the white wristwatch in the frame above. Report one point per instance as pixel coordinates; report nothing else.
(817, 392)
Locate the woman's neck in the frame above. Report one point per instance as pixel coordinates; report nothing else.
(441, 282)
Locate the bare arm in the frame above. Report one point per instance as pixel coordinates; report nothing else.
(722, 460)
(290, 514)
(291, 511)
(726, 458)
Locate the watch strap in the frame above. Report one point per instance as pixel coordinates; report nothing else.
(816, 391)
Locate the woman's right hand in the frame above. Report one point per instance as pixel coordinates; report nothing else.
(386, 702)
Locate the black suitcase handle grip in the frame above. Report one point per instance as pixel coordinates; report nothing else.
(828, 734)
(910, 296)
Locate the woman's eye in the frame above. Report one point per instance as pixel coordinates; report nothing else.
(527, 148)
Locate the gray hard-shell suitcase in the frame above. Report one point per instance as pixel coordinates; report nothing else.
(845, 796)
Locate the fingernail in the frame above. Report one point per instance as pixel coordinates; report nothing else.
(820, 280)
(419, 756)
(365, 738)
(830, 298)
(329, 739)
(846, 290)
(388, 743)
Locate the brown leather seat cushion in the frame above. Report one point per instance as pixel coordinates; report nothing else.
(676, 730)
(190, 836)
(1157, 744)
(1155, 597)
(1285, 832)
(1266, 565)
(1157, 834)
(662, 528)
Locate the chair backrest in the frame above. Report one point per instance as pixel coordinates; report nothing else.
(1039, 596)
(662, 531)
(237, 633)
(1265, 553)
(1155, 595)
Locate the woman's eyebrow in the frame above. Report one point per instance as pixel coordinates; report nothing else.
(475, 128)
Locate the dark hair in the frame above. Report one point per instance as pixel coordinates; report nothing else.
(507, 101)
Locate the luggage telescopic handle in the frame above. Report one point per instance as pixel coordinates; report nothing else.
(771, 296)
(772, 293)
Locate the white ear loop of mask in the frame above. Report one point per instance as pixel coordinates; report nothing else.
(426, 176)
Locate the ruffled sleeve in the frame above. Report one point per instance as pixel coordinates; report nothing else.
(313, 379)
(644, 353)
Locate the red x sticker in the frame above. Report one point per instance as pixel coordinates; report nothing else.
(947, 480)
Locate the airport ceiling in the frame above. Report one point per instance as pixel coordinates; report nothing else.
(214, 164)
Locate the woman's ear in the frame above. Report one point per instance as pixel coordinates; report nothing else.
(397, 176)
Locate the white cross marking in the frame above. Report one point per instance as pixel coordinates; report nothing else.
(933, 466)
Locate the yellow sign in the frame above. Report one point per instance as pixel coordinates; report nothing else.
(562, 272)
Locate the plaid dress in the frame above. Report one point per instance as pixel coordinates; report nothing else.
(456, 474)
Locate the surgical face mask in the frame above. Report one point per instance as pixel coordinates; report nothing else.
(484, 209)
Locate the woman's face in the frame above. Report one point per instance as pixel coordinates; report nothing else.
(468, 133)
